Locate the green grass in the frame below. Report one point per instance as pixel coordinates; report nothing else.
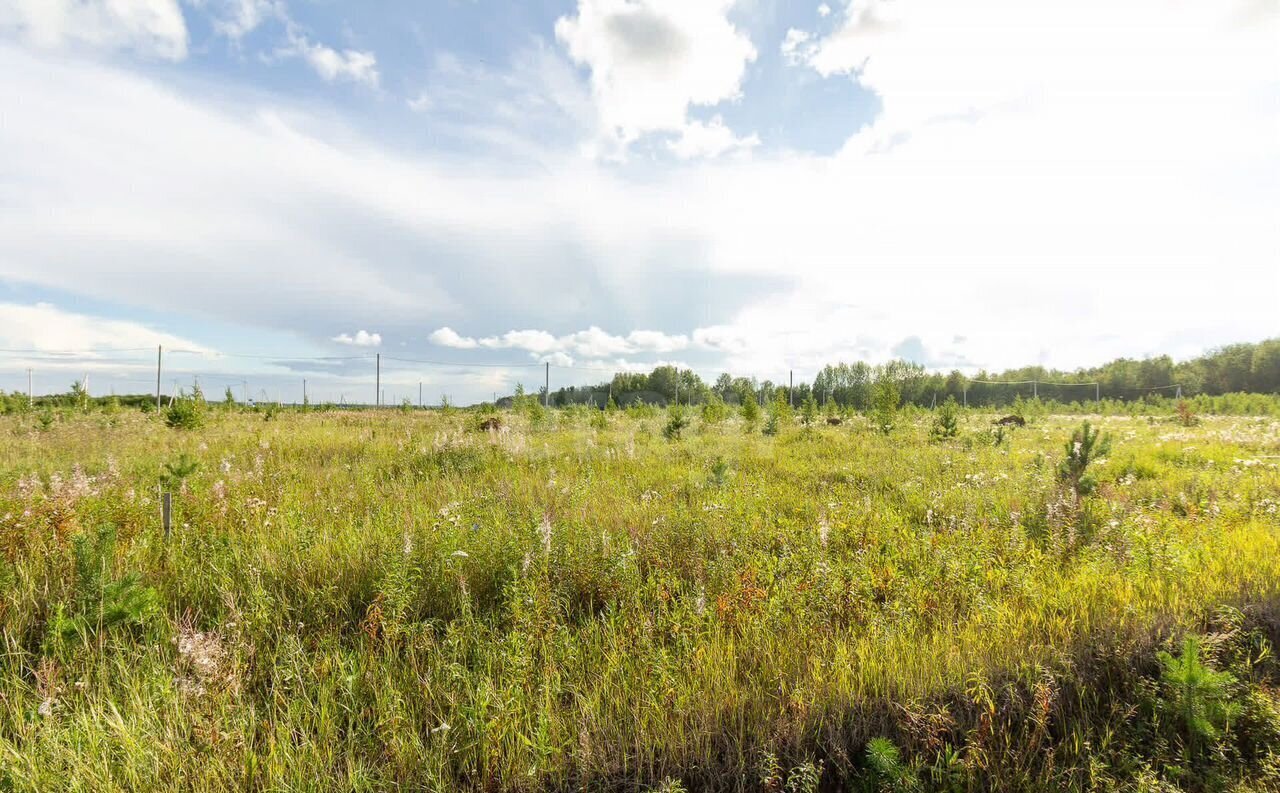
(395, 600)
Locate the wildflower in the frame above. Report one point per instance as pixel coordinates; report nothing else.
(460, 555)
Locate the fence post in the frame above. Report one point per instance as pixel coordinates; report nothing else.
(166, 512)
(159, 355)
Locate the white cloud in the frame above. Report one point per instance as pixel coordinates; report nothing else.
(356, 66)
(824, 10)
(44, 327)
(448, 337)
(1094, 217)
(651, 59)
(533, 341)
(703, 139)
(362, 338)
(656, 341)
(238, 18)
(153, 28)
(593, 342)
(798, 47)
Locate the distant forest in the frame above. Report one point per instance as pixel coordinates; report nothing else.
(1237, 368)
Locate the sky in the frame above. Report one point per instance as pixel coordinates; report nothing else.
(279, 190)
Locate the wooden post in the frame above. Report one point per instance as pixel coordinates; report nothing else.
(166, 512)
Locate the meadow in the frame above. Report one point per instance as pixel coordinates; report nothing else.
(629, 600)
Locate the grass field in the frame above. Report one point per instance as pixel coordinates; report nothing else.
(401, 601)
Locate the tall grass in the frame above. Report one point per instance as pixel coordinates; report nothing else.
(387, 600)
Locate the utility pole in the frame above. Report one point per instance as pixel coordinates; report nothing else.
(377, 386)
(546, 391)
(965, 393)
(304, 390)
(30, 398)
(791, 387)
(1097, 392)
(419, 395)
(1035, 391)
(159, 354)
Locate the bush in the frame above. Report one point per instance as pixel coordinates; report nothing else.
(98, 602)
(750, 412)
(809, 411)
(677, 422)
(884, 405)
(1085, 447)
(946, 424)
(1197, 696)
(184, 414)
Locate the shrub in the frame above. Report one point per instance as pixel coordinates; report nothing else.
(884, 405)
(677, 422)
(1197, 696)
(184, 414)
(946, 424)
(1085, 447)
(79, 396)
(809, 411)
(1185, 415)
(98, 602)
(714, 411)
(888, 772)
(176, 472)
(750, 412)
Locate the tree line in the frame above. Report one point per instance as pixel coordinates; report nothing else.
(1236, 368)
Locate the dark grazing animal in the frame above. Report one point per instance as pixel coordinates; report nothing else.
(491, 423)
(835, 421)
(1012, 421)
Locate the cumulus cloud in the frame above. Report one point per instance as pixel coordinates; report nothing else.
(448, 337)
(332, 65)
(650, 60)
(710, 139)
(153, 28)
(362, 338)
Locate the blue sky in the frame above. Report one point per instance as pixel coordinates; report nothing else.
(751, 186)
